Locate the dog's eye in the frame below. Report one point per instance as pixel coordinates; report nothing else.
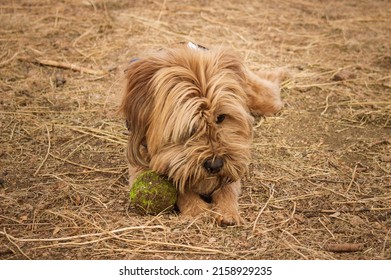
(220, 118)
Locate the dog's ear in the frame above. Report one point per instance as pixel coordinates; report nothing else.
(262, 88)
(264, 92)
(137, 106)
(227, 59)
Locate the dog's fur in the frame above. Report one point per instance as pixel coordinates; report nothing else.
(189, 114)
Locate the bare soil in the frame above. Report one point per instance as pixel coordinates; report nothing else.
(319, 185)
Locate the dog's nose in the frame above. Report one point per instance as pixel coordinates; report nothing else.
(214, 165)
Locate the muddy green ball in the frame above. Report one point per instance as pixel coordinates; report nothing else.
(151, 193)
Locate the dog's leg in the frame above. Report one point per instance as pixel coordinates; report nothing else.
(264, 91)
(226, 206)
(191, 204)
(133, 173)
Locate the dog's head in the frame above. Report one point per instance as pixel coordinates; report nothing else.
(187, 116)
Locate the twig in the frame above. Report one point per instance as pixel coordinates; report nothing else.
(9, 237)
(195, 250)
(323, 224)
(178, 245)
(385, 242)
(327, 105)
(353, 178)
(47, 153)
(156, 24)
(295, 250)
(335, 192)
(263, 208)
(332, 211)
(79, 236)
(344, 247)
(350, 103)
(67, 65)
(111, 171)
(317, 85)
(161, 11)
(8, 60)
(112, 234)
(299, 197)
(380, 142)
(202, 15)
(97, 134)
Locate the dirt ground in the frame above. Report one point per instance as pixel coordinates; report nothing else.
(319, 185)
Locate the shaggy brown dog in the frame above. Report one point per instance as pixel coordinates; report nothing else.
(188, 111)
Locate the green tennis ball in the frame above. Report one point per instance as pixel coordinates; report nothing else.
(151, 193)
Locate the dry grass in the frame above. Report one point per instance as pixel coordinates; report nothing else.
(320, 180)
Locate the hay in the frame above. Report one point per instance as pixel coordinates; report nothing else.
(319, 183)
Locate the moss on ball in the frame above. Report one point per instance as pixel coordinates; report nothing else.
(151, 193)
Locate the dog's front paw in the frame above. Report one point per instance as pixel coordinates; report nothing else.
(190, 204)
(230, 218)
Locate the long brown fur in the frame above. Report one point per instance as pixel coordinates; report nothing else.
(184, 106)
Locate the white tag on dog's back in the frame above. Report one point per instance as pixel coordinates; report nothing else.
(192, 46)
